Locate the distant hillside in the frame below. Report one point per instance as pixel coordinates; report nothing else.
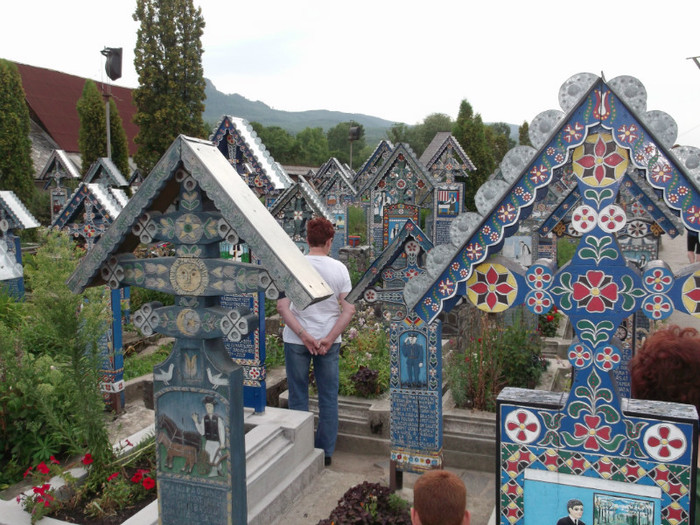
(219, 104)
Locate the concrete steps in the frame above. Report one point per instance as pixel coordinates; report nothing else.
(280, 460)
(469, 437)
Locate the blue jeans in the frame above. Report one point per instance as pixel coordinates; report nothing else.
(297, 362)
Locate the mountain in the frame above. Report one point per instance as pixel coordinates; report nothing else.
(219, 104)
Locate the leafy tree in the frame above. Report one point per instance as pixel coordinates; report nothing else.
(426, 131)
(168, 60)
(279, 142)
(313, 146)
(339, 143)
(498, 136)
(117, 137)
(92, 135)
(400, 132)
(524, 135)
(469, 130)
(16, 167)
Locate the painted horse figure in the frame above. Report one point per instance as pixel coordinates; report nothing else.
(178, 443)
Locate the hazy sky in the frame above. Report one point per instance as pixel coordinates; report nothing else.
(399, 60)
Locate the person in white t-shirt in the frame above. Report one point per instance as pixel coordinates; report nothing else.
(314, 334)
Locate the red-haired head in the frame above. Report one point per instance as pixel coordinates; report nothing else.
(667, 367)
(318, 231)
(439, 498)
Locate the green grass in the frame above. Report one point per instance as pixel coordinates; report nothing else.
(137, 365)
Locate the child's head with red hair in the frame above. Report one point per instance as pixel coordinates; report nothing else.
(318, 231)
(439, 498)
(667, 367)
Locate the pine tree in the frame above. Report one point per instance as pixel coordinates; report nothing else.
(168, 60)
(524, 134)
(92, 135)
(117, 136)
(16, 167)
(470, 133)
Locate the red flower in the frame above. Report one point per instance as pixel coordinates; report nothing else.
(87, 459)
(53, 460)
(550, 318)
(112, 476)
(148, 483)
(136, 478)
(595, 291)
(27, 472)
(664, 442)
(43, 468)
(593, 433)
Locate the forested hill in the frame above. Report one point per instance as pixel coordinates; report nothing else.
(219, 104)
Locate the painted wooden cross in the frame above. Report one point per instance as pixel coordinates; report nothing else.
(194, 199)
(590, 443)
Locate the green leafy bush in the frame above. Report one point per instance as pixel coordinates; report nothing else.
(364, 357)
(566, 248)
(274, 351)
(357, 223)
(50, 400)
(502, 355)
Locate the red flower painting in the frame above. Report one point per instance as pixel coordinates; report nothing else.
(595, 291)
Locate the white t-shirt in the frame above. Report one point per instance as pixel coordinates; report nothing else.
(319, 318)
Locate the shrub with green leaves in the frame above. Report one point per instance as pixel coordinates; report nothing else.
(499, 356)
(364, 357)
(50, 400)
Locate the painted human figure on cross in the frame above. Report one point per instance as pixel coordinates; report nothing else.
(574, 508)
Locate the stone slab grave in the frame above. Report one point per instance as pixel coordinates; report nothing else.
(194, 199)
(627, 461)
(415, 381)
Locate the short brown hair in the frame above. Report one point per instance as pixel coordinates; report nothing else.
(440, 498)
(318, 231)
(667, 367)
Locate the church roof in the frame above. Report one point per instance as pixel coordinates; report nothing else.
(52, 97)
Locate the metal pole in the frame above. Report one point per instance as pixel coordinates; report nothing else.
(109, 139)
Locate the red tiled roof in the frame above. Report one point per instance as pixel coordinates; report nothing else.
(52, 96)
